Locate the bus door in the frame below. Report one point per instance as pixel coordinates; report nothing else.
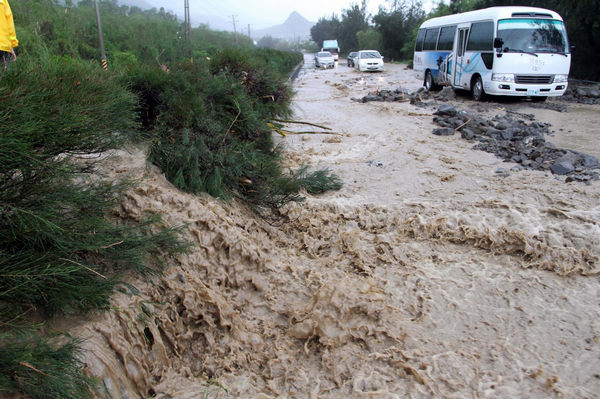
(463, 35)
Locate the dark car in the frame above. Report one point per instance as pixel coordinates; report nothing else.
(351, 58)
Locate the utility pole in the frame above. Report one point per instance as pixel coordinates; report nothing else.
(234, 30)
(188, 27)
(101, 39)
(186, 6)
(249, 30)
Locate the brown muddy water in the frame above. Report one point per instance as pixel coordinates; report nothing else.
(429, 275)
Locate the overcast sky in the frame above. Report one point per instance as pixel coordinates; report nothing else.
(266, 13)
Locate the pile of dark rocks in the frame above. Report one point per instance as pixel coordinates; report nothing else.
(385, 95)
(517, 138)
(582, 93)
(416, 98)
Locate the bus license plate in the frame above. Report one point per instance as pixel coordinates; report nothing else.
(533, 92)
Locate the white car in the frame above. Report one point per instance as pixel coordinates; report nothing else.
(369, 60)
(324, 59)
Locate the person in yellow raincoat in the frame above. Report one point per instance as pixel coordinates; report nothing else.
(8, 36)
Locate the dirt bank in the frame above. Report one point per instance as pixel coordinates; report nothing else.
(429, 275)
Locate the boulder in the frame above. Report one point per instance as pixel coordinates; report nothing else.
(594, 93)
(447, 93)
(443, 131)
(562, 168)
(446, 109)
(467, 134)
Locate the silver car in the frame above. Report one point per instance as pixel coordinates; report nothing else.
(324, 59)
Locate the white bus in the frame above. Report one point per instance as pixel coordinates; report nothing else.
(505, 51)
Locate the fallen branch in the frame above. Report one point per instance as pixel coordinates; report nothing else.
(463, 125)
(284, 133)
(302, 123)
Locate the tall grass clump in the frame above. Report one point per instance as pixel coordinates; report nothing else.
(208, 126)
(61, 248)
(31, 366)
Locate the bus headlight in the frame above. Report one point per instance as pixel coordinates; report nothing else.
(504, 77)
(561, 78)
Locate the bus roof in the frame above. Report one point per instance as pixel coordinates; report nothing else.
(493, 13)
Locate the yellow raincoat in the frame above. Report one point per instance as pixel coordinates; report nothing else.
(8, 36)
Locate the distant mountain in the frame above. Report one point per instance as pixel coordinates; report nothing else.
(295, 27)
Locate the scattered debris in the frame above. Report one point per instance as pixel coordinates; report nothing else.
(517, 138)
(378, 164)
(584, 93)
(278, 126)
(403, 95)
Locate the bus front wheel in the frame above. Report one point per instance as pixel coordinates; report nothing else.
(429, 84)
(477, 92)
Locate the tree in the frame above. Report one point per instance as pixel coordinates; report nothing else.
(397, 28)
(325, 29)
(369, 39)
(458, 6)
(354, 20)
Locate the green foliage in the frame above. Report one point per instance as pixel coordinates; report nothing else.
(398, 30)
(57, 242)
(39, 370)
(60, 105)
(129, 33)
(317, 182)
(369, 39)
(354, 19)
(61, 248)
(325, 29)
(63, 245)
(209, 130)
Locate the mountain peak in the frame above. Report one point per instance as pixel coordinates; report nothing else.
(295, 27)
(295, 18)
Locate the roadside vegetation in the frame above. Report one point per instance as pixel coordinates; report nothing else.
(63, 247)
(393, 30)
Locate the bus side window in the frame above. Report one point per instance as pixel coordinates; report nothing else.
(481, 37)
(420, 38)
(431, 39)
(447, 38)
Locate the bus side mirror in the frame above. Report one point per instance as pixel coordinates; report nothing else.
(498, 43)
(571, 48)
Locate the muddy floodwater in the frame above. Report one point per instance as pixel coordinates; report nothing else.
(428, 275)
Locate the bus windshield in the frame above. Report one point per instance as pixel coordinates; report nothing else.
(533, 35)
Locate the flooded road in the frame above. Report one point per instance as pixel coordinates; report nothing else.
(429, 275)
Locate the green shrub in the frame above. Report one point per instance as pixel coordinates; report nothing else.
(60, 105)
(33, 367)
(208, 127)
(59, 249)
